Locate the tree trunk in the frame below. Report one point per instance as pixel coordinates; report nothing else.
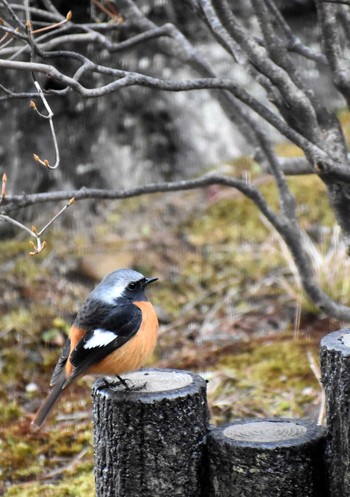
(149, 440)
(265, 458)
(335, 367)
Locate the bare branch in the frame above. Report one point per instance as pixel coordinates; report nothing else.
(39, 245)
(15, 33)
(111, 12)
(8, 219)
(233, 48)
(337, 2)
(288, 229)
(340, 66)
(291, 166)
(293, 97)
(105, 42)
(344, 17)
(13, 14)
(42, 13)
(130, 79)
(294, 43)
(20, 201)
(10, 95)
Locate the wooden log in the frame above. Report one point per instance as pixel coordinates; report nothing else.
(149, 441)
(267, 458)
(335, 368)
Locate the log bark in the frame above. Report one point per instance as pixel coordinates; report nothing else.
(149, 441)
(265, 458)
(335, 368)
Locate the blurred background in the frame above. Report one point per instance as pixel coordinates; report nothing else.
(229, 299)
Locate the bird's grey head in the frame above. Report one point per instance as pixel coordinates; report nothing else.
(125, 283)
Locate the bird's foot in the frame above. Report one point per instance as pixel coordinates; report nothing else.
(133, 387)
(112, 384)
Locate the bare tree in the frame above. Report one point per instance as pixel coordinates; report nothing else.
(32, 43)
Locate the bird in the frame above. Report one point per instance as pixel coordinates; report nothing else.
(114, 332)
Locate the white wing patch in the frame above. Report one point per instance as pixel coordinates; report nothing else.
(100, 338)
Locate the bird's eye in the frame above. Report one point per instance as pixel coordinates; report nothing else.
(132, 286)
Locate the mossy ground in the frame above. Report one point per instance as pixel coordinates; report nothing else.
(229, 304)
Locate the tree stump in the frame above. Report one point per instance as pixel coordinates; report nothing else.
(335, 368)
(267, 458)
(149, 441)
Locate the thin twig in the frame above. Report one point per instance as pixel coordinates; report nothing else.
(71, 201)
(55, 25)
(294, 42)
(13, 15)
(39, 245)
(327, 13)
(68, 467)
(317, 373)
(49, 116)
(113, 15)
(3, 188)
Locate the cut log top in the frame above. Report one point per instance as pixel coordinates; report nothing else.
(265, 431)
(151, 381)
(150, 385)
(338, 341)
(270, 433)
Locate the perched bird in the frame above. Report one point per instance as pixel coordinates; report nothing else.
(115, 331)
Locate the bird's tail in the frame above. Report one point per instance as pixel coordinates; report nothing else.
(49, 402)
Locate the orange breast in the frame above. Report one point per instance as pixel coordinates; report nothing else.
(134, 353)
(75, 335)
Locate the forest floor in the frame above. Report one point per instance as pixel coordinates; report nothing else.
(229, 302)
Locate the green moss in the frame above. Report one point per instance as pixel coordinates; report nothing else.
(312, 201)
(165, 298)
(18, 320)
(72, 440)
(80, 485)
(19, 458)
(237, 219)
(9, 412)
(14, 247)
(223, 222)
(344, 117)
(270, 379)
(287, 149)
(276, 363)
(231, 242)
(24, 454)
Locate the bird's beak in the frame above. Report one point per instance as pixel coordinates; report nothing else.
(149, 280)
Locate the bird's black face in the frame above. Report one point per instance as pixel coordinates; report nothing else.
(135, 290)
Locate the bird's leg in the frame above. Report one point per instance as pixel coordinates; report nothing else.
(133, 387)
(105, 382)
(124, 382)
(108, 382)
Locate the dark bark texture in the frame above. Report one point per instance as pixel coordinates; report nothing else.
(335, 366)
(149, 441)
(267, 458)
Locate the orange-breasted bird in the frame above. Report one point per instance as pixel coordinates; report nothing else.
(114, 332)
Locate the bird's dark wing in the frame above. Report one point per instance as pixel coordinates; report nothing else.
(56, 375)
(122, 323)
